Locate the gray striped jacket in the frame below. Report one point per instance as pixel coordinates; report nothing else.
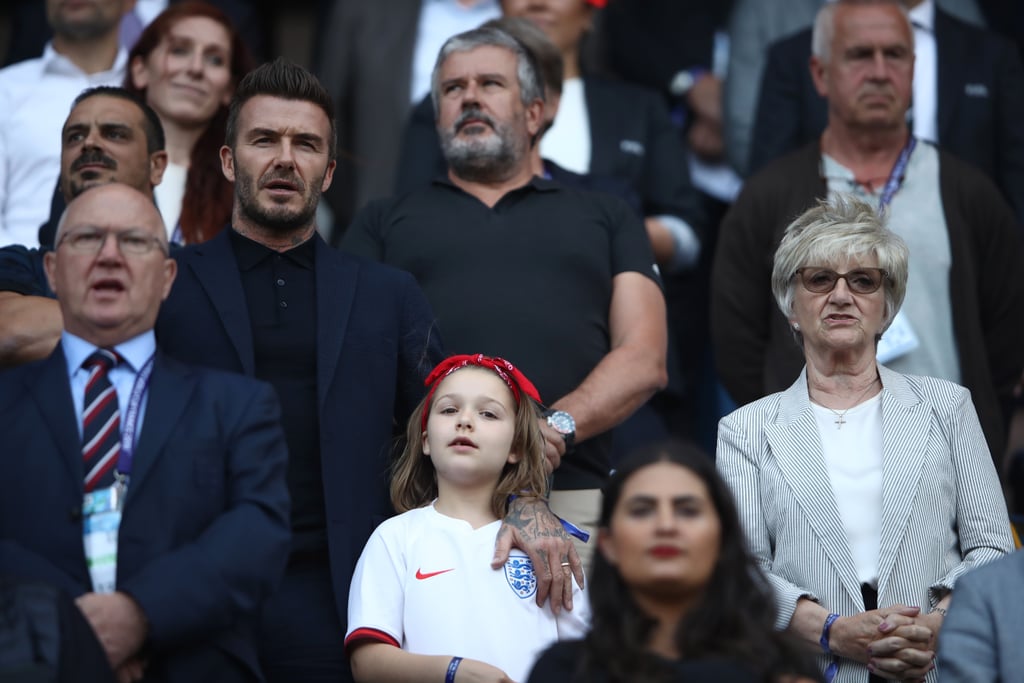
(943, 511)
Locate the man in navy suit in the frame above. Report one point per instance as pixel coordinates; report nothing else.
(346, 343)
(191, 490)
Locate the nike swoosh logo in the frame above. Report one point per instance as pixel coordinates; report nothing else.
(420, 574)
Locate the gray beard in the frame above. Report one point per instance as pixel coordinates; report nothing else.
(483, 161)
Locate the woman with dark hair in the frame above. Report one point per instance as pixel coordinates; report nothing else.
(186, 65)
(675, 595)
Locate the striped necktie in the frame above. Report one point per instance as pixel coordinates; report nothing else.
(101, 421)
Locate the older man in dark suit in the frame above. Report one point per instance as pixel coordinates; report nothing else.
(973, 80)
(153, 491)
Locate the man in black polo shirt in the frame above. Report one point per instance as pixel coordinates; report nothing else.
(559, 281)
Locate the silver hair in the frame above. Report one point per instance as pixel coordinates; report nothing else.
(825, 25)
(840, 228)
(530, 86)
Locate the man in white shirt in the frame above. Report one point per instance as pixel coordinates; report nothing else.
(34, 99)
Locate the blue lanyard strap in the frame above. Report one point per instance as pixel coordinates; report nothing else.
(899, 169)
(132, 418)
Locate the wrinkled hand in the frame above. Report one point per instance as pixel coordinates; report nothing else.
(533, 528)
(851, 636)
(118, 622)
(474, 671)
(905, 648)
(554, 446)
(132, 670)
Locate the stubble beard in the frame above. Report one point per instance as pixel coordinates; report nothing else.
(276, 219)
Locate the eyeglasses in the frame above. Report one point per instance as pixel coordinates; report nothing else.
(90, 241)
(823, 280)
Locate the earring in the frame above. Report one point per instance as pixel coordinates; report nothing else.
(796, 326)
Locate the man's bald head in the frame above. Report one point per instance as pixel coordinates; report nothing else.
(110, 268)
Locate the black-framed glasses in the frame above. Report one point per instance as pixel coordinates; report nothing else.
(130, 242)
(823, 280)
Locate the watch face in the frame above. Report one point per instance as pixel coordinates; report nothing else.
(562, 422)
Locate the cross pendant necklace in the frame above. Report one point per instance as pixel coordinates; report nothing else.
(839, 421)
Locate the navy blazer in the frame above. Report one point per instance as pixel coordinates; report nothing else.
(376, 342)
(980, 100)
(205, 530)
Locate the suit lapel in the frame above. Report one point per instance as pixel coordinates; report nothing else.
(796, 445)
(905, 421)
(51, 392)
(217, 271)
(947, 67)
(170, 390)
(601, 128)
(336, 278)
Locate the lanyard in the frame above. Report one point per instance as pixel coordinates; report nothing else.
(132, 418)
(896, 175)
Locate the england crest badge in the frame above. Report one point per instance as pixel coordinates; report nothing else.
(520, 576)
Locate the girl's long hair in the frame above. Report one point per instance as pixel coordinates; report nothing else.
(206, 206)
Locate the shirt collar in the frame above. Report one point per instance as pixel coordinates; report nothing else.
(54, 62)
(135, 351)
(923, 16)
(535, 183)
(250, 253)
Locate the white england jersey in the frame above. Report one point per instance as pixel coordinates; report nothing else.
(424, 583)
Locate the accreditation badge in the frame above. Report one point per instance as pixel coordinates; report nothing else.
(101, 515)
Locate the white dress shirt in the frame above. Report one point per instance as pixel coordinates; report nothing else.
(35, 98)
(926, 76)
(135, 352)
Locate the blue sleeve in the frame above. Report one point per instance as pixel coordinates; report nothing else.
(21, 271)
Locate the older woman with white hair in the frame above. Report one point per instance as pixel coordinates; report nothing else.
(864, 493)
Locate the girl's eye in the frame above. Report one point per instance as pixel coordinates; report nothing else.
(489, 413)
(448, 410)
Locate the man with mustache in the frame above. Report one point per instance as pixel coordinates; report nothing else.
(34, 94)
(963, 319)
(557, 279)
(110, 135)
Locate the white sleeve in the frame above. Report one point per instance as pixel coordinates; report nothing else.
(376, 598)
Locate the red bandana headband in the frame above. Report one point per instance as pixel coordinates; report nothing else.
(515, 380)
(597, 3)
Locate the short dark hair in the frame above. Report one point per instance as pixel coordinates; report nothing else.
(286, 80)
(152, 127)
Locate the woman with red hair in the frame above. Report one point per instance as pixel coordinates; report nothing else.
(186, 65)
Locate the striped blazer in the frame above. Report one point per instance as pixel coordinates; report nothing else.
(942, 506)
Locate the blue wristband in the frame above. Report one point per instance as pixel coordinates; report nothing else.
(826, 633)
(453, 666)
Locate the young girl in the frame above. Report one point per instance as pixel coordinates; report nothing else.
(425, 604)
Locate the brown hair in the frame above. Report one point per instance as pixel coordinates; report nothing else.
(206, 206)
(414, 480)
